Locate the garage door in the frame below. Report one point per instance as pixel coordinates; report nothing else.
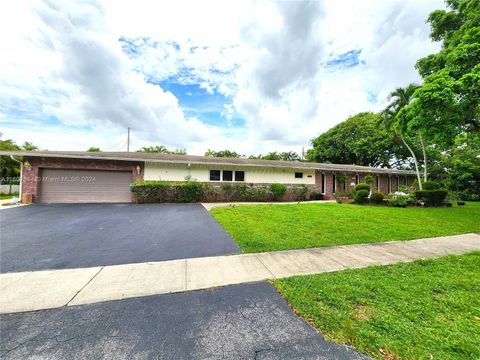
(61, 185)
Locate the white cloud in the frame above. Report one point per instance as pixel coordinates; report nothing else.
(65, 59)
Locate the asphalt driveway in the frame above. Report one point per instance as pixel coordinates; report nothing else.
(249, 321)
(60, 236)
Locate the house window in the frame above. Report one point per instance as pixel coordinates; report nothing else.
(389, 184)
(214, 175)
(299, 175)
(356, 179)
(405, 180)
(378, 182)
(239, 175)
(334, 183)
(323, 183)
(227, 175)
(398, 182)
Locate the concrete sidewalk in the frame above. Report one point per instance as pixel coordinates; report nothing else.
(29, 291)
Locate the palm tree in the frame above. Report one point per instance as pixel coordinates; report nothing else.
(399, 99)
(289, 156)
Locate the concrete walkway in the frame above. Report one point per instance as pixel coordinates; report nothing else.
(29, 291)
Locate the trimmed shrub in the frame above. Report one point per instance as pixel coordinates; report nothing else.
(278, 191)
(361, 186)
(361, 196)
(299, 192)
(431, 197)
(431, 185)
(150, 191)
(377, 197)
(160, 191)
(316, 195)
(369, 179)
(187, 192)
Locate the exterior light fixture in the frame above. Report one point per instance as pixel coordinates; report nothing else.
(27, 166)
(138, 169)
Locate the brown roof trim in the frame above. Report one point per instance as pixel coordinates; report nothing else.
(203, 160)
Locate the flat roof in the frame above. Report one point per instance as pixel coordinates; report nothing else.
(205, 160)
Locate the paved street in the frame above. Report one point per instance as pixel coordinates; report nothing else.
(248, 321)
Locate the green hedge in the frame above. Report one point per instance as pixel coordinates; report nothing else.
(361, 196)
(187, 192)
(160, 191)
(431, 197)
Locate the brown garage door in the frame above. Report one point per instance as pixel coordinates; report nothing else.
(62, 185)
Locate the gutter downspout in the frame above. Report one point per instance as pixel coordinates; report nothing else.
(21, 177)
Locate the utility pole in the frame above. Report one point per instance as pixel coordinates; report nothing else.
(128, 140)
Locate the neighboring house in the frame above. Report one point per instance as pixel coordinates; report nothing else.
(77, 176)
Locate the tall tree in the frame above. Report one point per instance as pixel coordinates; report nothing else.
(93, 149)
(399, 99)
(222, 153)
(448, 102)
(289, 156)
(154, 149)
(9, 168)
(359, 140)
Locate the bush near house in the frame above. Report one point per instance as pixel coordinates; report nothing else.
(361, 196)
(432, 194)
(278, 191)
(377, 197)
(192, 191)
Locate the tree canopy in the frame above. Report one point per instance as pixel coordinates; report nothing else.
(223, 153)
(359, 140)
(447, 103)
(162, 149)
(93, 149)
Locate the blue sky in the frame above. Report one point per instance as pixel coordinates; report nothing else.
(252, 76)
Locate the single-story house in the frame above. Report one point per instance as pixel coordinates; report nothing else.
(79, 176)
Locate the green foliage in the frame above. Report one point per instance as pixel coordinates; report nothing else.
(162, 150)
(316, 195)
(463, 166)
(299, 192)
(399, 200)
(358, 140)
(377, 197)
(361, 186)
(431, 197)
(426, 309)
(223, 153)
(278, 191)
(10, 169)
(448, 101)
(93, 149)
(160, 191)
(369, 179)
(431, 185)
(361, 196)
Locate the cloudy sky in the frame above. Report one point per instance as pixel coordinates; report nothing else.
(251, 76)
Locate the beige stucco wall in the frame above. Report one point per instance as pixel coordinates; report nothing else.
(178, 172)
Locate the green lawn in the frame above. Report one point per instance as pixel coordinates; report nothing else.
(280, 227)
(428, 309)
(3, 197)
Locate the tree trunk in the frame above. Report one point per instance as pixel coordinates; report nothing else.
(425, 174)
(415, 162)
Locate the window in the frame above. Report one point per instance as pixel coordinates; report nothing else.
(323, 183)
(398, 182)
(389, 184)
(298, 175)
(334, 183)
(239, 175)
(405, 181)
(356, 179)
(214, 175)
(378, 183)
(227, 175)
